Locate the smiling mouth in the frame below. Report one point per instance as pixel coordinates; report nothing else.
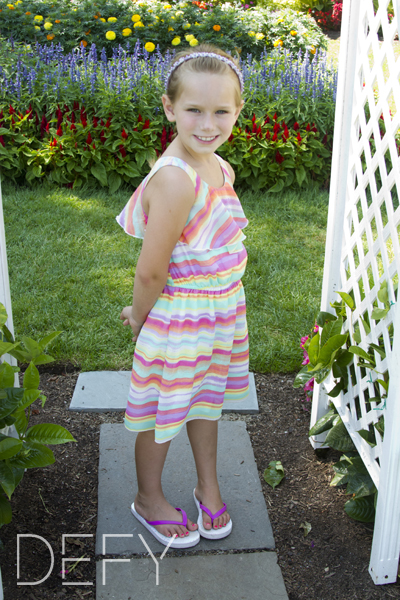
(206, 139)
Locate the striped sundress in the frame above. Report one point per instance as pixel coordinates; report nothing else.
(192, 351)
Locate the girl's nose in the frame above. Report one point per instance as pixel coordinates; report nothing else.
(208, 123)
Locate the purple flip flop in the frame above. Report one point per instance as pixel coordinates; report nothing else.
(186, 542)
(211, 534)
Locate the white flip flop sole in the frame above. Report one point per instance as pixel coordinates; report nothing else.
(186, 542)
(211, 534)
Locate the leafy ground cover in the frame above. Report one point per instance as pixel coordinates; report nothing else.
(73, 268)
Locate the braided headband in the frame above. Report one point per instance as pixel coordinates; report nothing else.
(199, 55)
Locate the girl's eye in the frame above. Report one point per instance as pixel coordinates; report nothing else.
(193, 110)
(224, 112)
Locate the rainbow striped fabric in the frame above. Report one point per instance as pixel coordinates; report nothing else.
(192, 352)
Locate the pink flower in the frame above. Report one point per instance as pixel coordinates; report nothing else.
(306, 360)
(303, 341)
(316, 328)
(309, 385)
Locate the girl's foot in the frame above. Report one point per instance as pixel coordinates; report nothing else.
(161, 510)
(211, 498)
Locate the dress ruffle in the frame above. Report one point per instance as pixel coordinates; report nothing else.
(216, 218)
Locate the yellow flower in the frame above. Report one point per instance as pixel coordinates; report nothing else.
(110, 35)
(252, 33)
(112, 19)
(57, 21)
(176, 41)
(150, 10)
(142, 4)
(126, 32)
(37, 27)
(28, 13)
(18, 2)
(167, 6)
(293, 32)
(280, 20)
(194, 42)
(139, 24)
(189, 37)
(259, 36)
(278, 43)
(48, 25)
(38, 18)
(172, 18)
(179, 12)
(11, 6)
(313, 50)
(50, 36)
(103, 20)
(197, 23)
(170, 28)
(216, 27)
(186, 26)
(136, 18)
(149, 46)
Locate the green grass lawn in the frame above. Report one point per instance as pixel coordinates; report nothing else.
(71, 268)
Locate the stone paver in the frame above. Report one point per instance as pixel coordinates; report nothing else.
(101, 391)
(239, 483)
(254, 576)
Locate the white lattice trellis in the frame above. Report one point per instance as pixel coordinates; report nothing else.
(362, 251)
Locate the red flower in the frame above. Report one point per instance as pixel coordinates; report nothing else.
(259, 132)
(13, 122)
(94, 146)
(268, 135)
(53, 143)
(102, 137)
(308, 128)
(108, 123)
(164, 139)
(59, 131)
(139, 118)
(251, 149)
(296, 126)
(266, 120)
(314, 129)
(275, 117)
(95, 121)
(2, 141)
(124, 135)
(122, 150)
(47, 127)
(72, 117)
(146, 124)
(89, 138)
(73, 127)
(60, 147)
(11, 110)
(279, 158)
(230, 138)
(325, 139)
(285, 134)
(84, 122)
(76, 105)
(253, 120)
(275, 137)
(299, 138)
(157, 152)
(76, 144)
(277, 128)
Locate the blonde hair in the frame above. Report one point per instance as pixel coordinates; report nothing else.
(203, 64)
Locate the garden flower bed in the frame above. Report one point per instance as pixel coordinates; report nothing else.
(82, 117)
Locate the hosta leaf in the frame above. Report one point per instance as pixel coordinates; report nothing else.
(274, 473)
(361, 509)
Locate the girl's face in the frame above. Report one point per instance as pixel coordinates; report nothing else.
(205, 112)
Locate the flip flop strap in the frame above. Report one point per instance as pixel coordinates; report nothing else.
(208, 511)
(183, 522)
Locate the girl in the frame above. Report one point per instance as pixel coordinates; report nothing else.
(188, 311)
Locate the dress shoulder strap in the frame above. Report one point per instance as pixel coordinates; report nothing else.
(173, 161)
(225, 169)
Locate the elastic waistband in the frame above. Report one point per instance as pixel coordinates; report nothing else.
(172, 289)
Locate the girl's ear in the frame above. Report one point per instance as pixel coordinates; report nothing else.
(239, 109)
(168, 108)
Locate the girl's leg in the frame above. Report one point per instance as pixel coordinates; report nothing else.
(203, 436)
(150, 502)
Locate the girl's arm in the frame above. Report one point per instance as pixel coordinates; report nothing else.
(169, 196)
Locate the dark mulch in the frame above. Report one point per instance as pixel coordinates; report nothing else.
(331, 563)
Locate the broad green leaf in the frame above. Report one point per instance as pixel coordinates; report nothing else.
(302, 377)
(313, 349)
(338, 438)
(7, 421)
(48, 338)
(322, 373)
(29, 397)
(21, 421)
(31, 378)
(9, 446)
(359, 352)
(341, 469)
(48, 433)
(18, 475)
(360, 484)
(32, 348)
(114, 181)
(274, 473)
(323, 424)
(367, 436)
(383, 294)
(361, 509)
(6, 348)
(384, 384)
(335, 391)
(7, 479)
(3, 315)
(6, 375)
(323, 317)
(300, 175)
(357, 335)
(379, 313)
(43, 359)
(381, 351)
(366, 326)
(344, 358)
(329, 349)
(347, 299)
(380, 426)
(5, 511)
(32, 455)
(98, 170)
(11, 401)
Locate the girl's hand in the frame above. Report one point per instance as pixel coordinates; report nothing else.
(126, 316)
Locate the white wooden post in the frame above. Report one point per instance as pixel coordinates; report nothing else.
(363, 251)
